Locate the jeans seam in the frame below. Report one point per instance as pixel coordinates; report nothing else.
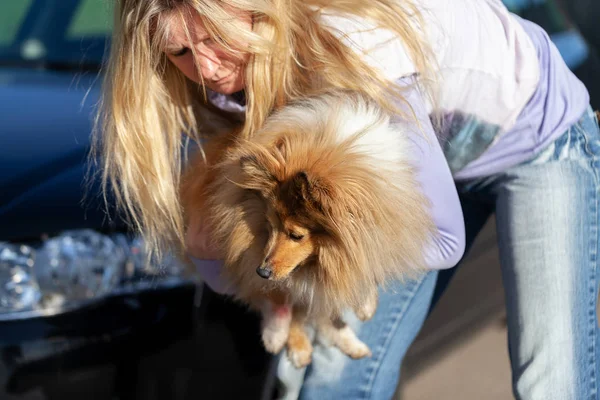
(594, 209)
(593, 329)
(583, 134)
(380, 350)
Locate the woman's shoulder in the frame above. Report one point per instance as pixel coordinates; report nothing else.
(381, 48)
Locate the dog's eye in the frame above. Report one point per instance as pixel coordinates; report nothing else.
(295, 236)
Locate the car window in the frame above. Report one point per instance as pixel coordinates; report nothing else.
(12, 14)
(92, 18)
(55, 34)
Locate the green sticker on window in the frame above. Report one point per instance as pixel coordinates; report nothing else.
(92, 18)
(11, 18)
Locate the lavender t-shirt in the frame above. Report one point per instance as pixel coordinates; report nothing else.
(559, 101)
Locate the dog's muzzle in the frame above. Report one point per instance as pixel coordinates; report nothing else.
(264, 272)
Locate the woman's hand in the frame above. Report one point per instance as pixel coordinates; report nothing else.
(206, 256)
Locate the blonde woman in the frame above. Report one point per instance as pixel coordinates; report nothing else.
(500, 125)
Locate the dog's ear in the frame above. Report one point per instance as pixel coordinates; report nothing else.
(280, 147)
(257, 176)
(251, 167)
(313, 191)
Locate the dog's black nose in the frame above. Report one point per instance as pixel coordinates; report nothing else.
(264, 272)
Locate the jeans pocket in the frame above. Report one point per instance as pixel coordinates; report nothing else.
(590, 131)
(559, 149)
(580, 141)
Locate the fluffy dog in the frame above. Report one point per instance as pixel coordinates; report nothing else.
(312, 215)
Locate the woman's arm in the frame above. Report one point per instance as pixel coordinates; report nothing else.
(436, 180)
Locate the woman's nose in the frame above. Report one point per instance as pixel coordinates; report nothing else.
(208, 67)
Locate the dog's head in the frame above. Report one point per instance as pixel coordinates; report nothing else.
(296, 204)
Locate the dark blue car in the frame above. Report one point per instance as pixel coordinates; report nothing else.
(82, 315)
(50, 53)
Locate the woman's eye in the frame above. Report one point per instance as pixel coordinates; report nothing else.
(210, 43)
(181, 52)
(295, 236)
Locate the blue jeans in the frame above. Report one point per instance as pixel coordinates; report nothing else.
(547, 217)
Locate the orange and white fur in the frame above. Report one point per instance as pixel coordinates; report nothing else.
(312, 215)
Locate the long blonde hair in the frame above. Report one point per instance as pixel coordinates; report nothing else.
(148, 105)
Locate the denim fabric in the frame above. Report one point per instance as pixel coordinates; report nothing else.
(547, 214)
(332, 375)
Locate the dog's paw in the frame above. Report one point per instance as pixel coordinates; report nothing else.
(275, 335)
(274, 340)
(349, 344)
(358, 350)
(367, 310)
(299, 347)
(300, 357)
(275, 331)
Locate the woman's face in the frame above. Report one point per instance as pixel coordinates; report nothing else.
(221, 71)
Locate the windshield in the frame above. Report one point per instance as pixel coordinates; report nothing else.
(54, 33)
